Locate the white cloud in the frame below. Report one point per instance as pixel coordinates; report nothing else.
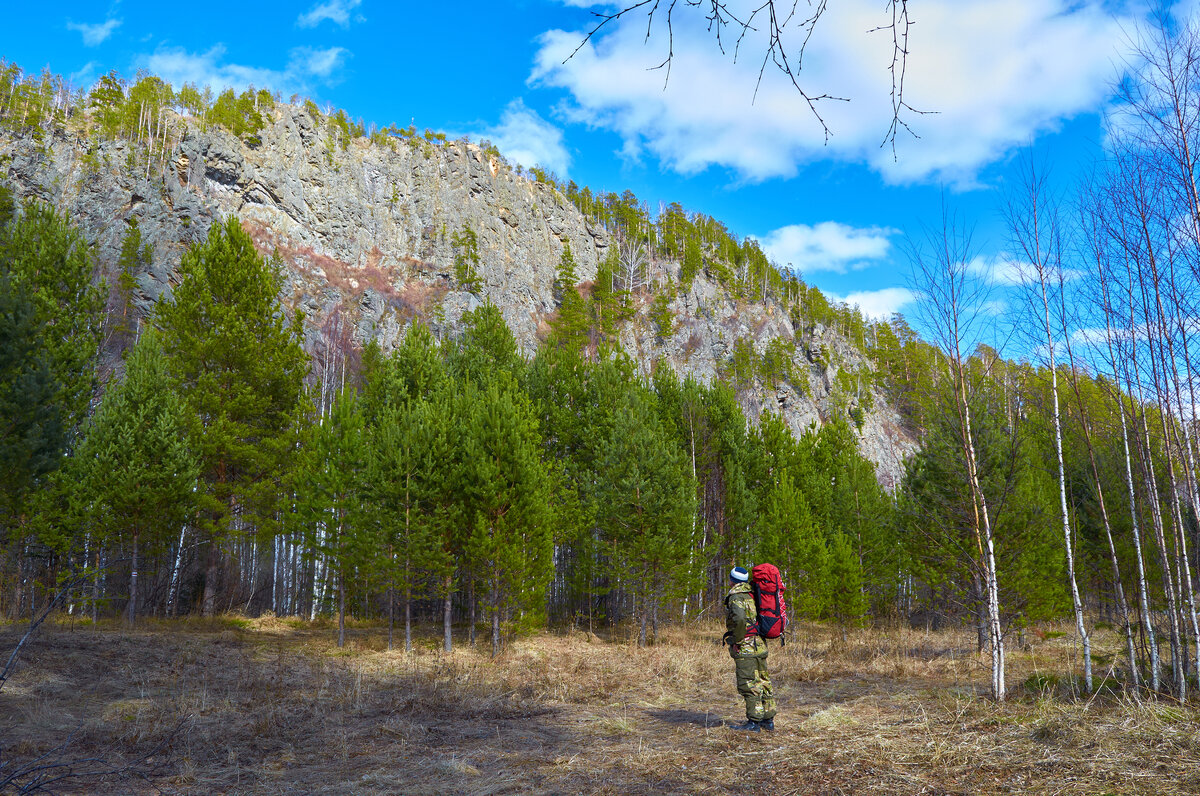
(995, 74)
(878, 304)
(178, 66)
(319, 63)
(306, 65)
(1001, 269)
(828, 246)
(84, 76)
(1006, 271)
(524, 137)
(336, 11)
(96, 34)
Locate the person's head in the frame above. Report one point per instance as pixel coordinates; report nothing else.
(738, 575)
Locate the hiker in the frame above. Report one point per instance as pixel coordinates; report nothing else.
(749, 653)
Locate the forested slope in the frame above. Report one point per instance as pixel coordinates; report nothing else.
(376, 231)
(265, 359)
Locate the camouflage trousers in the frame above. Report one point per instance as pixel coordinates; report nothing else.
(754, 684)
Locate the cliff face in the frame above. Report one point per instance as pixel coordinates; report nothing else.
(366, 235)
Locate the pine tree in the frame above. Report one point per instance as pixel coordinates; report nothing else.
(45, 257)
(565, 277)
(645, 499)
(408, 504)
(486, 348)
(848, 603)
(789, 539)
(51, 333)
(134, 260)
(507, 501)
(332, 483)
(32, 434)
(407, 405)
(137, 463)
(414, 370)
(239, 366)
(570, 328)
(466, 259)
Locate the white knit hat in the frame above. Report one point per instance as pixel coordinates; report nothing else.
(739, 574)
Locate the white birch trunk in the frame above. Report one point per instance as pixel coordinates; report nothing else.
(983, 535)
(1062, 493)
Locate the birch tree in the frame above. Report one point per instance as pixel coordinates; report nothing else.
(953, 301)
(1036, 236)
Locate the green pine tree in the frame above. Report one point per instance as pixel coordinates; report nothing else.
(408, 503)
(847, 602)
(50, 334)
(332, 485)
(45, 257)
(134, 260)
(466, 259)
(32, 433)
(645, 499)
(570, 327)
(137, 463)
(239, 367)
(507, 505)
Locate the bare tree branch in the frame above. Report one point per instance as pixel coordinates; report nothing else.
(779, 21)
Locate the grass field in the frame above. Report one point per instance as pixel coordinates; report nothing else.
(272, 706)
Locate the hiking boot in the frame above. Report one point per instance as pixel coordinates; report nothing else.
(767, 724)
(750, 726)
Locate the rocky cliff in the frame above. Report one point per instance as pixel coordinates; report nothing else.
(366, 233)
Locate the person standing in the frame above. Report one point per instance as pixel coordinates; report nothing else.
(749, 653)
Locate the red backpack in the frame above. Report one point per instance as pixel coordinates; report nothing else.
(768, 589)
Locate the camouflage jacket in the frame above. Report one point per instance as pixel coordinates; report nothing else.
(740, 616)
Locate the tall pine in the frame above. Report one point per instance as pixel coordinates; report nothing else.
(239, 366)
(137, 462)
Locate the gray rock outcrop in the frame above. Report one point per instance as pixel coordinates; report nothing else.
(366, 236)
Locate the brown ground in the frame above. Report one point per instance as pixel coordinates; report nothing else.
(273, 707)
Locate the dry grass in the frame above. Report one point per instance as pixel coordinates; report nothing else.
(271, 706)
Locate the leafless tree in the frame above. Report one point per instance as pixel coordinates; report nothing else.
(634, 265)
(953, 303)
(1036, 237)
(788, 30)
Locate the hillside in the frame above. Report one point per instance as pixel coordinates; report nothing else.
(369, 229)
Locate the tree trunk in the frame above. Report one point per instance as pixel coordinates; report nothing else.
(1118, 587)
(1143, 591)
(391, 600)
(1163, 555)
(208, 607)
(642, 619)
(1066, 525)
(96, 589)
(471, 612)
(131, 614)
(981, 625)
(983, 538)
(341, 594)
(495, 620)
(176, 575)
(447, 605)
(408, 621)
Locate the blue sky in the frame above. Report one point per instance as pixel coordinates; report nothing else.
(1000, 77)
